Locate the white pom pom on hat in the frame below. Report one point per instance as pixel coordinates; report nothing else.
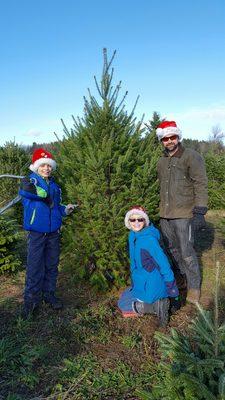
(168, 128)
(41, 156)
(139, 210)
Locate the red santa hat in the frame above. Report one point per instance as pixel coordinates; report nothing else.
(138, 210)
(41, 156)
(168, 128)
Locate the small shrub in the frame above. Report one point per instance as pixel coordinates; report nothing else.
(9, 237)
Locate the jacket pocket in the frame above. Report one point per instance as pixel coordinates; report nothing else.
(148, 262)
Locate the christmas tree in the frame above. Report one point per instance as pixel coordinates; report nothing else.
(8, 239)
(106, 165)
(153, 124)
(192, 365)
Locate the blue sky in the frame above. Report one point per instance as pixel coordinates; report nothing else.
(171, 53)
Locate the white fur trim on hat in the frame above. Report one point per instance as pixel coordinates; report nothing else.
(34, 167)
(170, 130)
(138, 212)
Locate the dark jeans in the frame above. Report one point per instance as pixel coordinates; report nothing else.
(42, 265)
(178, 240)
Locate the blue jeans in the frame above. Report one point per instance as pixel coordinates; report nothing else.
(178, 240)
(42, 265)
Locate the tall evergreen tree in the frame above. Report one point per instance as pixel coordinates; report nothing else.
(106, 165)
(153, 123)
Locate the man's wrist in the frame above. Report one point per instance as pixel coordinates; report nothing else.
(200, 210)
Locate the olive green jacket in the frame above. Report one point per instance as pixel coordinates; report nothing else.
(183, 183)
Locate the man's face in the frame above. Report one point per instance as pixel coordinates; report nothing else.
(170, 142)
(45, 170)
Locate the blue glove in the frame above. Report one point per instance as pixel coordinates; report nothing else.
(172, 289)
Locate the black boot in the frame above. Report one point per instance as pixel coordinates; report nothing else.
(52, 300)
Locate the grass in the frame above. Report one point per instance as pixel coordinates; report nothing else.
(87, 350)
(58, 355)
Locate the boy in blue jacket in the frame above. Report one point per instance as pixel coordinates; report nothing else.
(43, 213)
(151, 275)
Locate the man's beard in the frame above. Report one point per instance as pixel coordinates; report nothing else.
(174, 148)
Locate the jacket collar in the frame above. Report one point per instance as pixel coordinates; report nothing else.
(41, 180)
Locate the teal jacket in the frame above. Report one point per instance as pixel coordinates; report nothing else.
(151, 274)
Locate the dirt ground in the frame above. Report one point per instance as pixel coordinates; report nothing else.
(96, 323)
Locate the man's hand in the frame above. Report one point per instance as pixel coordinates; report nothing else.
(198, 220)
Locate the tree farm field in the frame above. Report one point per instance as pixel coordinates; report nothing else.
(87, 350)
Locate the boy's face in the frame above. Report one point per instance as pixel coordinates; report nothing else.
(137, 222)
(44, 170)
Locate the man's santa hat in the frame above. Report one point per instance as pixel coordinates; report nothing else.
(168, 128)
(137, 210)
(41, 156)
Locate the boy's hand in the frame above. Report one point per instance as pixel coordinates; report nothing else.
(69, 209)
(28, 186)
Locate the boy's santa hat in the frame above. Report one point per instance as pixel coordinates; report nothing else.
(168, 128)
(41, 156)
(138, 210)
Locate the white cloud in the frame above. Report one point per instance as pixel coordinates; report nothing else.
(214, 113)
(34, 133)
(197, 123)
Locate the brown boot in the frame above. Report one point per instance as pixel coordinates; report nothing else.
(193, 296)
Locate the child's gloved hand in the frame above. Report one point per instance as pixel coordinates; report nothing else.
(69, 209)
(175, 304)
(172, 290)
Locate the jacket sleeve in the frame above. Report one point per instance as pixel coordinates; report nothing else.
(61, 207)
(30, 191)
(62, 210)
(197, 173)
(158, 260)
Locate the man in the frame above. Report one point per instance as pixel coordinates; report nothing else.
(183, 203)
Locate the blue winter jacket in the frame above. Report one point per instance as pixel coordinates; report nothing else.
(151, 274)
(42, 204)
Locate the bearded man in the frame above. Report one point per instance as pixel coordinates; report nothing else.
(183, 203)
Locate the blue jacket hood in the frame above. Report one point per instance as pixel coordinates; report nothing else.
(147, 231)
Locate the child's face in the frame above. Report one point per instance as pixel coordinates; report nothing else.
(137, 223)
(44, 170)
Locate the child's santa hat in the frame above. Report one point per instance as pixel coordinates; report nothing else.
(41, 156)
(138, 210)
(168, 128)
